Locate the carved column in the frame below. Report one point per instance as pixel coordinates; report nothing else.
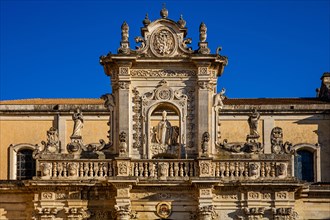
(123, 99)
(205, 209)
(122, 207)
(205, 91)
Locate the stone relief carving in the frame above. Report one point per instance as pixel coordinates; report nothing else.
(206, 212)
(278, 147)
(162, 73)
(205, 144)
(123, 144)
(164, 209)
(77, 213)
(137, 120)
(109, 101)
(44, 213)
(254, 213)
(285, 214)
(123, 212)
(163, 42)
(51, 146)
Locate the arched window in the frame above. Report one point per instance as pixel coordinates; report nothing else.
(26, 165)
(307, 163)
(22, 166)
(304, 165)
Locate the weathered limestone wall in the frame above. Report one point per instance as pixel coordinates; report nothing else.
(16, 130)
(33, 129)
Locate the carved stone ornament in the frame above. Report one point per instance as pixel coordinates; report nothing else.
(162, 73)
(51, 146)
(123, 212)
(123, 144)
(163, 42)
(77, 213)
(109, 101)
(253, 124)
(124, 43)
(205, 143)
(278, 147)
(206, 212)
(285, 214)
(218, 98)
(164, 209)
(254, 213)
(251, 146)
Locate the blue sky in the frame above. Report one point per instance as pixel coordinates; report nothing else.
(51, 49)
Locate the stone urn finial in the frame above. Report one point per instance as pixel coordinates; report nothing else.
(164, 12)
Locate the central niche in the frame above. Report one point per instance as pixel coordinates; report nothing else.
(164, 113)
(165, 131)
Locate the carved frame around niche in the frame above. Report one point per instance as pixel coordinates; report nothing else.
(151, 100)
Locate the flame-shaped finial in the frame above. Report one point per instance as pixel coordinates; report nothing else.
(181, 22)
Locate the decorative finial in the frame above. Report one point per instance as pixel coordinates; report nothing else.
(202, 32)
(146, 20)
(164, 11)
(124, 43)
(181, 22)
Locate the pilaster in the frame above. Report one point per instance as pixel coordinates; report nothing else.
(268, 126)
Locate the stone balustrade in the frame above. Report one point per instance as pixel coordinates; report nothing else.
(165, 169)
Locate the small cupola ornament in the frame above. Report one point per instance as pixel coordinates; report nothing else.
(164, 12)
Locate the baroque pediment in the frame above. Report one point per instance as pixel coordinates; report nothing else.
(163, 38)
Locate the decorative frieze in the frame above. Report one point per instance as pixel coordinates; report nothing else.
(162, 73)
(284, 214)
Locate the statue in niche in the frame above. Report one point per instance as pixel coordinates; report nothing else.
(163, 135)
(219, 97)
(78, 123)
(253, 123)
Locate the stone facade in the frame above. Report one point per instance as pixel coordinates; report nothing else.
(164, 144)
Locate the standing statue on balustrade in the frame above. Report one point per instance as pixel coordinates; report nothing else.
(78, 123)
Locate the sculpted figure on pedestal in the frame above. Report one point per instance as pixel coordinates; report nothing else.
(219, 97)
(164, 130)
(253, 123)
(78, 123)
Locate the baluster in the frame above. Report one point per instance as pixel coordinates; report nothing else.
(54, 169)
(156, 169)
(65, 171)
(152, 169)
(96, 169)
(136, 169)
(217, 169)
(236, 169)
(191, 169)
(222, 169)
(186, 168)
(176, 169)
(227, 169)
(181, 168)
(262, 169)
(232, 169)
(90, 173)
(146, 172)
(105, 169)
(171, 169)
(246, 169)
(101, 169)
(141, 169)
(110, 169)
(81, 169)
(241, 169)
(272, 172)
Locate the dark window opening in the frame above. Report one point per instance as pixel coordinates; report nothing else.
(26, 165)
(304, 165)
